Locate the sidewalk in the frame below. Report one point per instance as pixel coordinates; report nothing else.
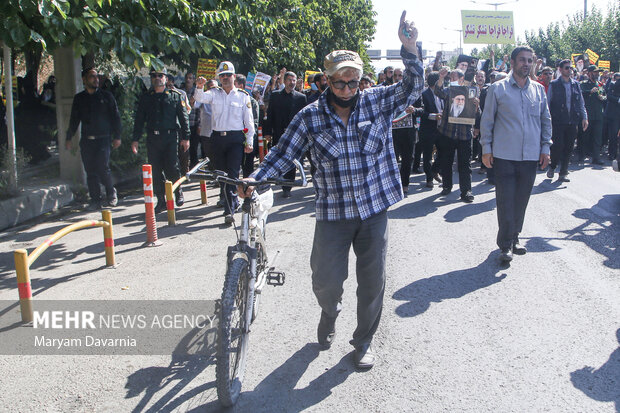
(42, 191)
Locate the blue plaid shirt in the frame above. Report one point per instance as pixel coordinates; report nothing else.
(357, 175)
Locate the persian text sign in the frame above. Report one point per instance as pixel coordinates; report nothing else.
(488, 27)
(603, 64)
(206, 68)
(593, 56)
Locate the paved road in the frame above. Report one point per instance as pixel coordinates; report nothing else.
(459, 331)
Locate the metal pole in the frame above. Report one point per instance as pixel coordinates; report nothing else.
(108, 238)
(23, 284)
(10, 122)
(585, 9)
(170, 204)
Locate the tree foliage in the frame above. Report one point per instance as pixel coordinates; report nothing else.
(258, 34)
(598, 32)
(140, 31)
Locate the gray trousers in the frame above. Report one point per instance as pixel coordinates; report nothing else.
(330, 261)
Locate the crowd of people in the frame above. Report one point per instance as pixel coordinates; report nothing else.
(364, 135)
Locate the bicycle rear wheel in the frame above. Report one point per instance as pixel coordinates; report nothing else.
(232, 339)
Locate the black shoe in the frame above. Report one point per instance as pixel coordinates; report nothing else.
(220, 204)
(550, 172)
(228, 219)
(326, 330)
(416, 171)
(180, 199)
(286, 194)
(160, 207)
(113, 199)
(518, 249)
(506, 255)
(437, 178)
(429, 184)
(598, 162)
(563, 178)
(446, 191)
(467, 197)
(364, 357)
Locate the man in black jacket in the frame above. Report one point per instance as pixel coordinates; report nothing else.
(433, 108)
(96, 110)
(283, 106)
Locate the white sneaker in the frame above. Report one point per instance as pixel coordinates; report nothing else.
(614, 164)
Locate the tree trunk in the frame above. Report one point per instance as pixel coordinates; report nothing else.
(33, 61)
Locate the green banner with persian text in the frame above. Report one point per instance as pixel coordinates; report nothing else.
(488, 27)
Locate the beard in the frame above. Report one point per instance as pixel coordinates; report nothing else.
(457, 110)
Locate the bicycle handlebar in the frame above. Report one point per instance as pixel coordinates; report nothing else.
(220, 176)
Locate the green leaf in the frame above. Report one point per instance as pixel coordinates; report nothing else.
(36, 37)
(46, 8)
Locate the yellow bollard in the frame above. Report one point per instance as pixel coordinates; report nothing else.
(108, 238)
(170, 204)
(203, 192)
(23, 284)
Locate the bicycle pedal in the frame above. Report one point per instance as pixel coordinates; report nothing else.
(275, 278)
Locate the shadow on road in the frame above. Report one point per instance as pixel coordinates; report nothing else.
(602, 384)
(455, 284)
(277, 392)
(600, 231)
(164, 385)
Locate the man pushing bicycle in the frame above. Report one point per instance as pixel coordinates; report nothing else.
(349, 135)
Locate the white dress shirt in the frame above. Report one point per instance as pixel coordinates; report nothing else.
(229, 112)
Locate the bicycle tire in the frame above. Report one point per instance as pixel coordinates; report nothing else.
(232, 341)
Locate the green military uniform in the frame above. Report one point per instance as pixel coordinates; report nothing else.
(595, 106)
(165, 115)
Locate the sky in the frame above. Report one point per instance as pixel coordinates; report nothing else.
(434, 19)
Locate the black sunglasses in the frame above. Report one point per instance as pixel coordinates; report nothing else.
(157, 75)
(226, 74)
(340, 84)
(566, 67)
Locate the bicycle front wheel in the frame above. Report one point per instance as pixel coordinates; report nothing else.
(232, 340)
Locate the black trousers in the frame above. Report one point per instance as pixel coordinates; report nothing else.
(162, 153)
(417, 153)
(428, 139)
(228, 155)
(463, 152)
(404, 140)
(96, 159)
(206, 146)
(563, 137)
(513, 185)
(194, 143)
(248, 159)
(593, 139)
(613, 125)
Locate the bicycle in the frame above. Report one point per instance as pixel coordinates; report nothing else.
(248, 271)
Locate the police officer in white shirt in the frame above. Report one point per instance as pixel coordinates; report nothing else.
(231, 115)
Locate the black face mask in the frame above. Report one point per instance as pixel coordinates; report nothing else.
(341, 102)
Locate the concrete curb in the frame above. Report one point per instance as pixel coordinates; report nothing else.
(33, 203)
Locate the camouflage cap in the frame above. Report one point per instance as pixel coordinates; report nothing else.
(338, 59)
